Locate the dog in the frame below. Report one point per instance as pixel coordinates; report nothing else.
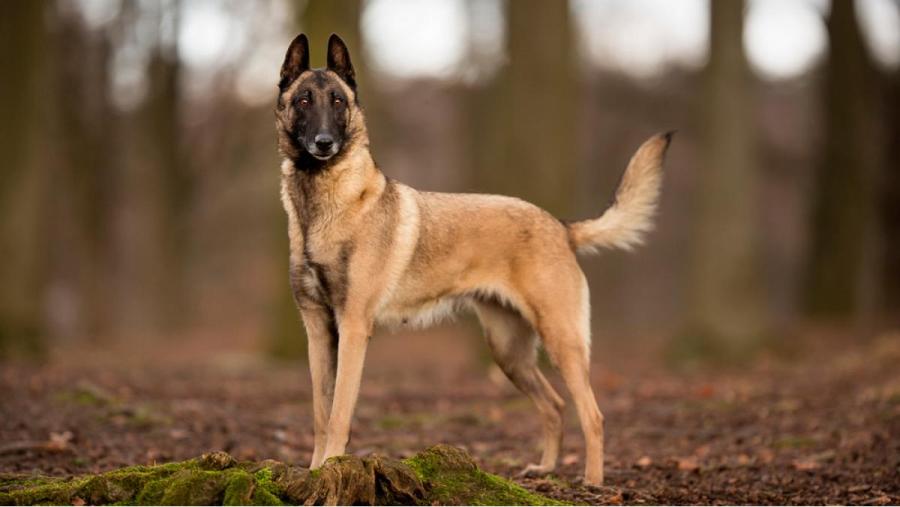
(366, 250)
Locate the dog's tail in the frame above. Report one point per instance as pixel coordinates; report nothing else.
(624, 224)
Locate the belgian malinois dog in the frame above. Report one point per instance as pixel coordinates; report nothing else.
(367, 250)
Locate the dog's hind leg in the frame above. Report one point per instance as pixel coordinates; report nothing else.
(565, 337)
(322, 342)
(513, 344)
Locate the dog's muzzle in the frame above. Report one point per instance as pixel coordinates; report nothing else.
(324, 147)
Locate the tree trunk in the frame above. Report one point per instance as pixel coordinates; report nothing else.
(843, 201)
(727, 308)
(169, 178)
(24, 178)
(320, 18)
(890, 198)
(87, 138)
(522, 134)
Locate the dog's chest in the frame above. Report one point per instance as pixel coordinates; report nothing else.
(320, 276)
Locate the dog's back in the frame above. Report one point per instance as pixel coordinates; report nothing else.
(478, 245)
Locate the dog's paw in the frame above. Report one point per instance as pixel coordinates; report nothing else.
(533, 471)
(594, 483)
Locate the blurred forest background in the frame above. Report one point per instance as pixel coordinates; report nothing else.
(139, 182)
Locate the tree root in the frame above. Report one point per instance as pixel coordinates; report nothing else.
(440, 475)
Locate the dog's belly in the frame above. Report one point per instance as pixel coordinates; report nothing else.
(420, 312)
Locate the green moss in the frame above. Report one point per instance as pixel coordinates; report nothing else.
(10, 481)
(263, 476)
(452, 478)
(239, 489)
(195, 487)
(440, 475)
(267, 491)
(152, 492)
(46, 492)
(264, 497)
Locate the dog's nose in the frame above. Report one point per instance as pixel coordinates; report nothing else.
(324, 142)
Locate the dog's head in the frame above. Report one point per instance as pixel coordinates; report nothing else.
(316, 107)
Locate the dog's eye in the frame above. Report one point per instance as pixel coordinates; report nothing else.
(304, 101)
(338, 101)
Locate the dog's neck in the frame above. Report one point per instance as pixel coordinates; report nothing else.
(348, 181)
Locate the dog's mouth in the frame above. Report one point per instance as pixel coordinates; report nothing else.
(323, 154)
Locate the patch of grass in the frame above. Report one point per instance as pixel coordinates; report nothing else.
(711, 405)
(698, 347)
(89, 395)
(795, 442)
(144, 417)
(392, 422)
(894, 398)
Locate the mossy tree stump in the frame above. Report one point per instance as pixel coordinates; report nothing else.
(438, 475)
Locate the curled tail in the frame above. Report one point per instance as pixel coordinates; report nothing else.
(624, 223)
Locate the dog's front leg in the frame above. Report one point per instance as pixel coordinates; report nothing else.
(354, 338)
(322, 344)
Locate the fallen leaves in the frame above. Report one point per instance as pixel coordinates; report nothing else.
(56, 442)
(805, 464)
(59, 441)
(765, 456)
(706, 391)
(881, 499)
(813, 462)
(688, 464)
(711, 438)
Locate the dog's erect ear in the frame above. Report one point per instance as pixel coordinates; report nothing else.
(339, 60)
(295, 61)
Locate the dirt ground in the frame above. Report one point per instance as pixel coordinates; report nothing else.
(821, 428)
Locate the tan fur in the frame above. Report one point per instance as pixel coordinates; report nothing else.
(367, 250)
(624, 224)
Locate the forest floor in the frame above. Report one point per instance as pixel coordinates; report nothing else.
(820, 428)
